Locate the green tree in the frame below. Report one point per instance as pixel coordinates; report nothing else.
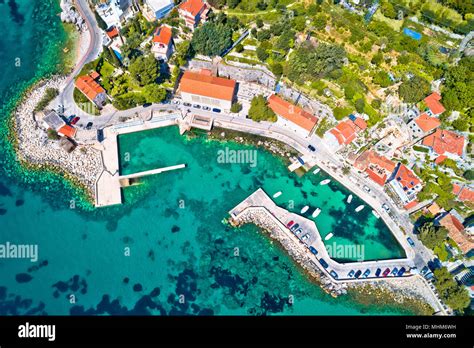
(236, 107)
(382, 79)
(239, 48)
(212, 39)
(277, 69)
(432, 236)
(154, 93)
(469, 174)
(259, 23)
(414, 89)
(144, 69)
(360, 105)
(52, 134)
(100, 22)
(260, 111)
(456, 296)
(262, 54)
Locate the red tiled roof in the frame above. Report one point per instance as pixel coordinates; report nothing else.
(163, 35)
(406, 177)
(112, 32)
(95, 75)
(410, 205)
(427, 123)
(89, 87)
(463, 193)
(433, 103)
(344, 132)
(359, 122)
(376, 166)
(193, 6)
(208, 86)
(440, 159)
(67, 131)
(443, 141)
(292, 112)
(455, 228)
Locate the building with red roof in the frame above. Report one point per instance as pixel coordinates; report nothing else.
(162, 43)
(405, 184)
(193, 12)
(112, 32)
(463, 193)
(453, 222)
(203, 89)
(292, 113)
(433, 103)
(345, 132)
(377, 167)
(91, 89)
(67, 131)
(422, 125)
(445, 142)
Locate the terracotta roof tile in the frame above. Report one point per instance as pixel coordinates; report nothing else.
(193, 6)
(67, 131)
(163, 35)
(208, 86)
(89, 87)
(443, 141)
(112, 32)
(427, 123)
(433, 103)
(406, 177)
(463, 193)
(455, 229)
(292, 112)
(410, 205)
(376, 166)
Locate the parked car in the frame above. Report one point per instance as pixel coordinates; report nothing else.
(75, 120)
(298, 231)
(386, 208)
(146, 105)
(377, 272)
(290, 223)
(358, 273)
(351, 273)
(305, 237)
(207, 108)
(89, 125)
(366, 273)
(386, 272)
(100, 135)
(313, 250)
(334, 274)
(366, 188)
(216, 110)
(323, 263)
(196, 106)
(411, 242)
(424, 270)
(394, 271)
(176, 101)
(187, 104)
(294, 227)
(401, 271)
(312, 148)
(70, 118)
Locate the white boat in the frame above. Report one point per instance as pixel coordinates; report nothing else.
(349, 199)
(316, 212)
(376, 214)
(329, 236)
(325, 182)
(359, 208)
(276, 195)
(305, 209)
(316, 171)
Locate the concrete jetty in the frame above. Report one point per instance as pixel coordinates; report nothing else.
(260, 203)
(151, 172)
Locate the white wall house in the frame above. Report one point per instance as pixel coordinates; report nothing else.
(114, 12)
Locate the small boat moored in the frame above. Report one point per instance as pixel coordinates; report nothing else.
(349, 199)
(325, 182)
(276, 195)
(376, 214)
(329, 236)
(316, 171)
(316, 212)
(359, 208)
(305, 209)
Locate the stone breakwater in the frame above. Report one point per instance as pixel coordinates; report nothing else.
(34, 148)
(261, 218)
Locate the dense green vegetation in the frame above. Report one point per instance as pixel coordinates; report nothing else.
(144, 69)
(49, 95)
(260, 111)
(456, 296)
(432, 236)
(415, 89)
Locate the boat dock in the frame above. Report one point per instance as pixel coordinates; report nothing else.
(260, 206)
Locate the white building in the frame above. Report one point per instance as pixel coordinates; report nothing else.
(114, 12)
(157, 9)
(406, 185)
(204, 89)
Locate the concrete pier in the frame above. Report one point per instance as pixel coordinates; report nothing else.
(260, 203)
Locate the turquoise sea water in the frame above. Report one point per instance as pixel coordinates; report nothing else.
(166, 250)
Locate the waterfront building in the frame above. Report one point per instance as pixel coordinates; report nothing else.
(463, 192)
(445, 142)
(193, 12)
(293, 113)
(162, 43)
(114, 12)
(91, 89)
(204, 89)
(377, 167)
(345, 132)
(422, 125)
(406, 185)
(67, 131)
(157, 9)
(434, 105)
(453, 222)
(53, 121)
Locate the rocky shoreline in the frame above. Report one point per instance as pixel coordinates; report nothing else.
(35, 150)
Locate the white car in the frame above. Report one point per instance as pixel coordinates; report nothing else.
(366, 188)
